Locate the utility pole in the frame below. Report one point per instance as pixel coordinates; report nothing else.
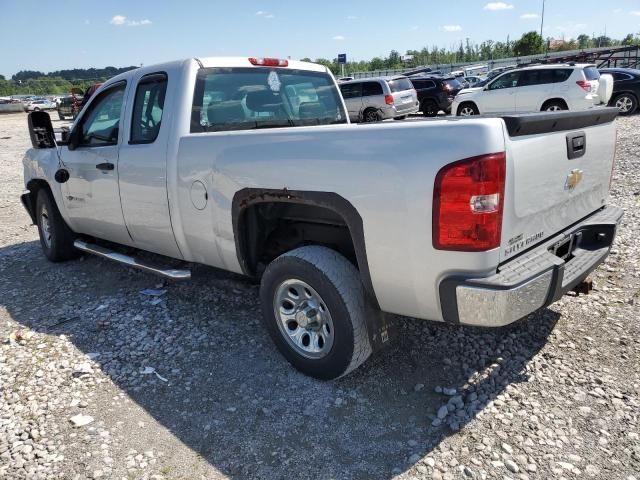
(542, 26)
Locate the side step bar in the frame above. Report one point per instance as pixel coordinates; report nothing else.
(103, 252)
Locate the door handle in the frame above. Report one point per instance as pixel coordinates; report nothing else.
(105, 166)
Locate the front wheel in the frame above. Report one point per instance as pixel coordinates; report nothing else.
(314, 308)
(56, 238)
(467, 110)
(626, 103)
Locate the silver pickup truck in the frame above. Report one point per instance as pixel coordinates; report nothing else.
(250, 165)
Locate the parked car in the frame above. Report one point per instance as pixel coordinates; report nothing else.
(37, 105)
(67, 108)
(339, 223)
(375, 99)
(534, 89)
(473, 81)
(435, 93)
(626, 89)
(345, 79)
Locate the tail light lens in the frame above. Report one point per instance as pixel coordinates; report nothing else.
(468, 201)
(388, 99)
(269, 62)
(446, 87)
(586, 86)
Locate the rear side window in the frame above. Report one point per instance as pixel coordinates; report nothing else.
(371, 88)
(621, 76)
(351, 90)
(247, 98)
(591, 73)
(562, 75)
(400, 85)
(423, 84)
(147, 108)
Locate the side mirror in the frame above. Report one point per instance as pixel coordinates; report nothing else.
(41, 130)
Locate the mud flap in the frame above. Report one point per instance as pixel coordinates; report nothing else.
(380, 327)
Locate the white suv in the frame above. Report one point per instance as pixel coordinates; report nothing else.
(534, 89)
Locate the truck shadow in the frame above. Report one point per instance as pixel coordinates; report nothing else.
(231, 398)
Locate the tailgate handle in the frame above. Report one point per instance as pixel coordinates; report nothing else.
(576, 145)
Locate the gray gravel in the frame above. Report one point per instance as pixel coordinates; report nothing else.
(101, 381)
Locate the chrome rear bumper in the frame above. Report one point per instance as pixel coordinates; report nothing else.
(534, 279)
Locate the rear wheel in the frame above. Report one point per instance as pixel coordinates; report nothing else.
(467, 109)
(429, 108)
(313, 306)
(36, 109)
(626, 103)
(56, 238)
(554, 106)
(371, 115)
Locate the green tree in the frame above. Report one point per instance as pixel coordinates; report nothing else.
(584, 41)
(530, 43)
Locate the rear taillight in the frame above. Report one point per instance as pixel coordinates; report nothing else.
(583, 84)
(388, 99)
(269, 62)
(468, 200)
(446, 87)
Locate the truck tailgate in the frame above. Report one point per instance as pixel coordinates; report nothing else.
(558, 172)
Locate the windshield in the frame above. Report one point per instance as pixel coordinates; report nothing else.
(400, 85)
(251, 98)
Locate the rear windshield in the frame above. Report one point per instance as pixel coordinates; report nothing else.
(454, 84)
(400, 85)
(591, 73)
(250, 98)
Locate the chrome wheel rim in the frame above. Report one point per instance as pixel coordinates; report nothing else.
(467, 112)
(303, 319)
(554, 108)
(45, 226)
(624, 104)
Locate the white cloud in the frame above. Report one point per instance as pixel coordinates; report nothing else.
(87, 22)
(529, 16)
(120, 20)
(351, 17)
(414, 27)
(636, 13)
(338, 37)
(263, 14)
(498, 6)
(452, 28)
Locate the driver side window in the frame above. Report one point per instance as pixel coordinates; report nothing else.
(508, 80)
(100, 125)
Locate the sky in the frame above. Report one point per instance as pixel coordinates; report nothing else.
(53, 35)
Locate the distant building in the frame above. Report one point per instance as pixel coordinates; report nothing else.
(556, 44)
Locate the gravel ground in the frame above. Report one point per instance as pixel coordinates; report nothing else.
(101, 381)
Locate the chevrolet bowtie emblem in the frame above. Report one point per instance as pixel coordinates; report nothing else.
(573, 179)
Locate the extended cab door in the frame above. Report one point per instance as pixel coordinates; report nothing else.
(91, 195)
(500, 95)
(142, 166)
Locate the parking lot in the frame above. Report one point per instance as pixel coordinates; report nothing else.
(102, 381)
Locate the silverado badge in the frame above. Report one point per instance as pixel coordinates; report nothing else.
(573, 179)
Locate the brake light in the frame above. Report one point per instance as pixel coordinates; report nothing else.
(468, 200)
(269, 62)
(446, 87)
(586, 86)
(388, 99)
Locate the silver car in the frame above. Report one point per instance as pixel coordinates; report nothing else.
(375, 99)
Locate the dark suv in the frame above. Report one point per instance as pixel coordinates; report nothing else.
(626, 89)
(435, 93)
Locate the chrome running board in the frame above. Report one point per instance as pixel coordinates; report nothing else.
(103, 252)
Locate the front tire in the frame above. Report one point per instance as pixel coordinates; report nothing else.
(56, 238)
(429, 108)
(626, 103)
(314, 308)
(467, 109)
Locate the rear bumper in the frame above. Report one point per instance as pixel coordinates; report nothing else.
(533, 280)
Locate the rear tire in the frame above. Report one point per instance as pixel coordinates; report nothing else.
(318, 280)
(626, 103)
(370, 115)
(467, 109)
(554, 106)
(429, 108)
(56, 238)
